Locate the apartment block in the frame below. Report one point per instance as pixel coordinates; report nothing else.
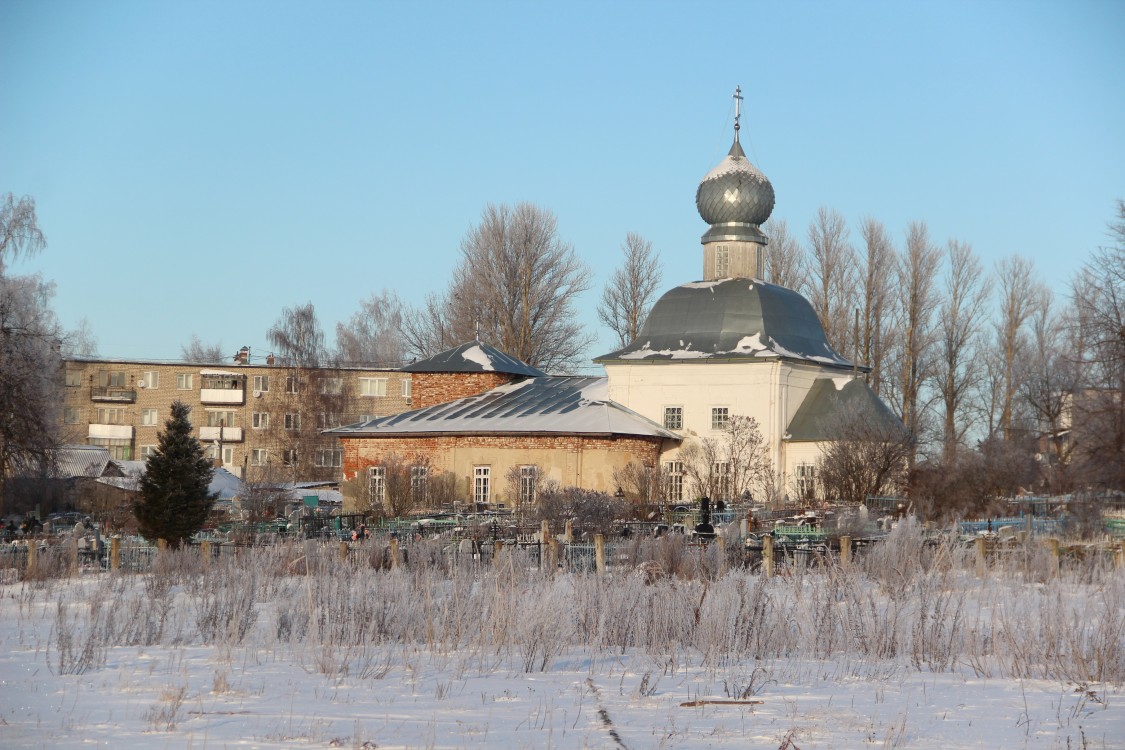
(251, 416)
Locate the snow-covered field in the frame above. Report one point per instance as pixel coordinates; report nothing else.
(288, 647)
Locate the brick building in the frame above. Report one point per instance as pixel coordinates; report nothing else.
(258, 419)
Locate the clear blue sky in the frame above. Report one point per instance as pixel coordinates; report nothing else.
(199, 165)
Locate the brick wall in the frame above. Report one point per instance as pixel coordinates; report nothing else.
(430, 388)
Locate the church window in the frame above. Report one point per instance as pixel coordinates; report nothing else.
(674, 481)
(722, 261)
(529, 476)
(481, 489)
(674, 417)
(377, 484)
(806, 480)
(419, 483)
(720, 481)
(720, 416)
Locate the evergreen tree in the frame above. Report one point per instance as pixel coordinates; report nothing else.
(174, 500)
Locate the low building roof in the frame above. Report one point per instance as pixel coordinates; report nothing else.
(541, 405)
(815, 420)
(474, 357)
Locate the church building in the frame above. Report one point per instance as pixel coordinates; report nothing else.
(728, 345)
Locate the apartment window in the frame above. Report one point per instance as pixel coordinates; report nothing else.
(183, 381)
(260, 420)
(330, 457)
(289, 457)
(111, 415)
(111, 379)
(150, 379)
(119, 449)
(377, 484)
(806, 480)
(228, 453)
(720, 480)
(720, 416)
(148, 417)
(70, 415)
(674, 417)
(262, 383)
(222, 382)
(419, 483)
(373, 386)
(481, 480)
(529, 479)
(259, 457)
(367, 417)
(674, 481)
(146, 450)
(331, 386)
(406, 388)
(327, 419)
(292, 421)
(219, 418)
(722, 261)
(73, 378)
(292, 384)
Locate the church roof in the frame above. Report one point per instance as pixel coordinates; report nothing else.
(829, 397)
(730, 320)
(474, 357)
(548, 404)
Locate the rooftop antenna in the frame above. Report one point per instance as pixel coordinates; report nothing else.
(737, 110)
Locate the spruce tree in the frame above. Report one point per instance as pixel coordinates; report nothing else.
(174, 500)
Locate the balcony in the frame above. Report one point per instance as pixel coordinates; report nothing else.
(222, 396)
(113, 393)
(222, 387)
(229, 434)
(111, 431)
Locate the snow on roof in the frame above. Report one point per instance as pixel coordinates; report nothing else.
(474, 357)
(224, 373)
(476, 354)
(560, 404)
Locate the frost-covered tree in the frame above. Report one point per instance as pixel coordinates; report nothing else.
(197, 352)
(627, 297)
(373, 335)
(175, 497)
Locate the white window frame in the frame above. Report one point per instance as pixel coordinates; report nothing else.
(293, 421)
(150, 379)
(229, 417)
(329, 457)
(678, 413)
(144, 451)
(259, 457)
(720, 474)
(111, 415)
(261, 384)
(228, 453)
(292, 384)
(377, 484)
(183, 381)
(290, 457)
(419, 483)
(529, 484)
(331, 386)
(150, 417)
(805, 474)
(260, 420)
(373, 387)
(406, 386)
(674, 481)
(482, 484)
(720, 417)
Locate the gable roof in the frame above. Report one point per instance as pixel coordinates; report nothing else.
(474, 357)
(541, 405)
(81, 461)
(828, 397)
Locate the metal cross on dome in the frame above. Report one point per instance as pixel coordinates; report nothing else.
(737, 108)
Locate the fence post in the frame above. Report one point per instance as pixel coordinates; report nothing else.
(1053, 546)
(1119, 558)
(599, 553)
(115, 553)
(845, 551)
(497, 550)
(721, 548)
(343, 551)
(394, 553)
(553, 553)
(205, 555)
(568, 534)
(72, 554)
(32, 551)
(767, 556)
(981, 559)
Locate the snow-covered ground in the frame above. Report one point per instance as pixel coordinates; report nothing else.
(250, 654)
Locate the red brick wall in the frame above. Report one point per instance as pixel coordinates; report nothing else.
(430, 388)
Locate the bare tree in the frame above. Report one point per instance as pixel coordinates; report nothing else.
(785, 258)
(19, 229)
(428, 329)
(641, 482)
(517, 285)
(916, 278)
(832, 277)
(958, 362)
(297, 337)
(196, 351)
(869, 456)
(736, 462)
(628, 296)
(1019, 294)
(80, 342)
(374, 334)
(1050, 379)
(875, 334)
